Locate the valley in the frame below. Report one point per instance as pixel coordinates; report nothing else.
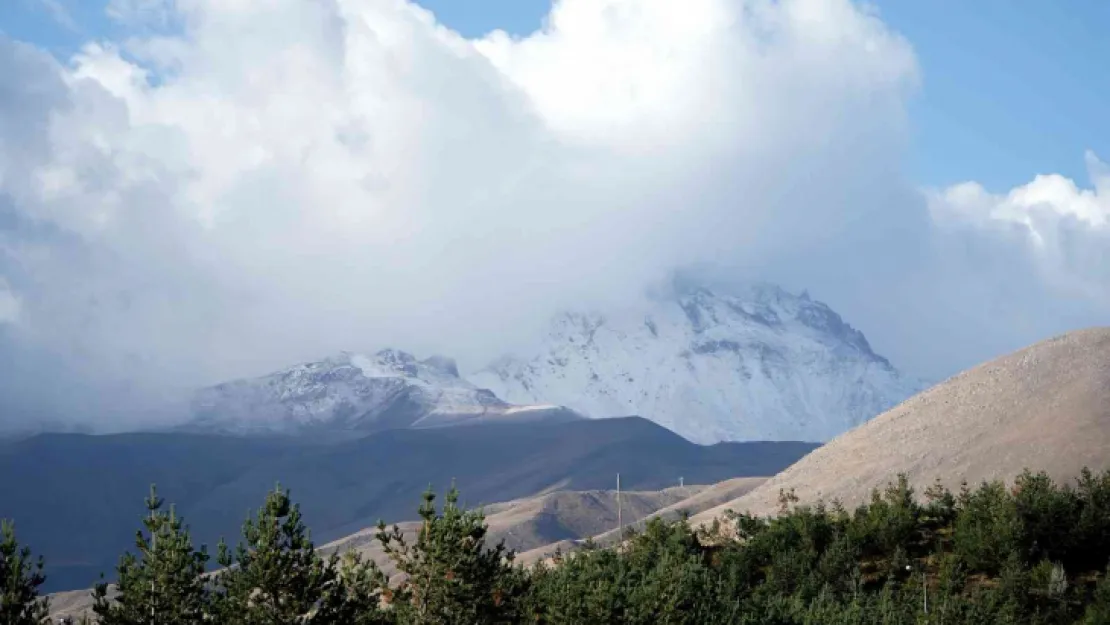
(79, 496)
(543, 487)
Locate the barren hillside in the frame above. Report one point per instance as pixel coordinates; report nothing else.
(1044, 407)
(533, 523)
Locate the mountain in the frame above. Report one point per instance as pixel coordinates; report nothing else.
(78, 498)
(756, 363)
(752, 363)
(355, 394)
(1045, 407)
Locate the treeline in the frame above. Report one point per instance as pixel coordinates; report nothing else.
(1034, 552)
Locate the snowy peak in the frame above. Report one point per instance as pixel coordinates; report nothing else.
(443, 365)
(355, 393)
(750, 363)
(770, 306)
(755, 363)
(394, 363)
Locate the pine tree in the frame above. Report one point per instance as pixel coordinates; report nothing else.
(20, 579)
(1098, 611)
(584, 587)
(165, 583)
(452, 577)
(277, 577)
(361, 590)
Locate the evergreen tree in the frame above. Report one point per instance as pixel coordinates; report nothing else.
(672, 584)
(362, 589)
(987, 528)
(991, 555)
(20, 578)
(1093, 531)
(1098, 612)
(583, 587)
(452, 577)
(276, 577)
(165, 583)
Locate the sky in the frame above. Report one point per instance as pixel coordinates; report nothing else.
(1045, 61)
(204, 189)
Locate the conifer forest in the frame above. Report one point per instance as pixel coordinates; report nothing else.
(1032, 552)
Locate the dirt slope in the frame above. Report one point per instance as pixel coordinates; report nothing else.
(1044, 407)
(706, 498)
(533, 522)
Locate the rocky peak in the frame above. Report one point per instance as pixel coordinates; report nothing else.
(351, 392)
(442, 364)
(750, 362)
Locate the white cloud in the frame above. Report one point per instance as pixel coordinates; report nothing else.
(9, 304)
(1059, 228)
(282, 179)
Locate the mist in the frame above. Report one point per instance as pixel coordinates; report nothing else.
(243, 185)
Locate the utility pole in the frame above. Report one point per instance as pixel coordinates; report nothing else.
(620, 521)
(153, 587)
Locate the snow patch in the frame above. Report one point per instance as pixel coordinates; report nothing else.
(757, 363)
(349, 391)
(369, 368)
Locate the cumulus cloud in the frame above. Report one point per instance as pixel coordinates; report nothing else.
(1025, 264)
(245, 184)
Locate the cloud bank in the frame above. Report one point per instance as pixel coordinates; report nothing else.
(245, 184)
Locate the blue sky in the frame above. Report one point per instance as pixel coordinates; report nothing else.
(1007, 93)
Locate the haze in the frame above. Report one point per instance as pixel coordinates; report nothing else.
(235, 186)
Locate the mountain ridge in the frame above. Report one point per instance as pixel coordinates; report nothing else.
(79, 497)
(355, 394)
(752, 363)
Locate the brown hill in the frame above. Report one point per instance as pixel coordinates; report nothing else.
(533, 526)
(703, 499)
(533, 523)
(75, 604)
(1045, 407)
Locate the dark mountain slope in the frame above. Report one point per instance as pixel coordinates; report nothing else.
(78, 499)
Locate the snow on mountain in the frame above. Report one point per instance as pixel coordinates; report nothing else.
(757, 363)
(355, 393)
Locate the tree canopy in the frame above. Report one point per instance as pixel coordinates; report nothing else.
(1031, 552)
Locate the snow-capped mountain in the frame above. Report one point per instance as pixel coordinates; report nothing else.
(356, 393)
(757, 363)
